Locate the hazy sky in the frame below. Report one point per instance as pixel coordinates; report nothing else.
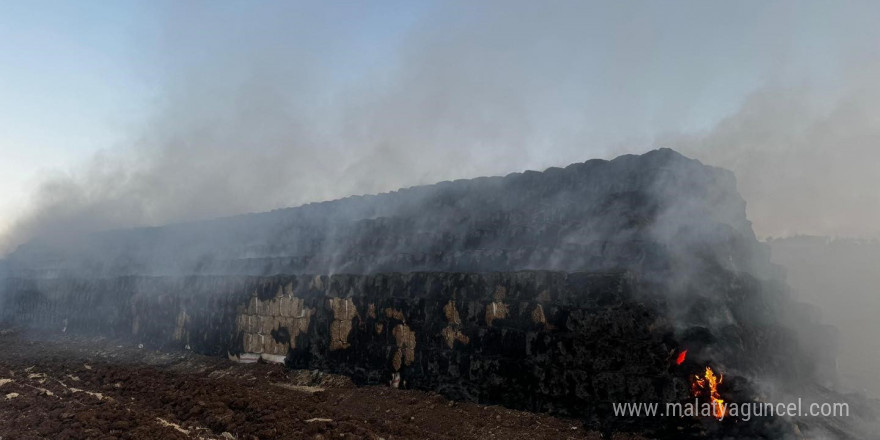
(120, 113)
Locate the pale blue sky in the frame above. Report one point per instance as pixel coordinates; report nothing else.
(67, 86)
(472, 87)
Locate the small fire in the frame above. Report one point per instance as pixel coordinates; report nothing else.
(681, 357)
(707, 385)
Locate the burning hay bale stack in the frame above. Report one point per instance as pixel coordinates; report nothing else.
(564, 290)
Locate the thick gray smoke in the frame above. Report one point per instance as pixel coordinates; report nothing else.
(802, 169)
(840, 276)
(259, 108)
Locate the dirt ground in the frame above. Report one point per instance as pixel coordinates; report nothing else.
(61, 387)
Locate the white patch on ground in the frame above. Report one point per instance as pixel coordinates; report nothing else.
(5, 381)
(11, 396)
(47, 392)
(98, 396)
(168, 424)
(300, 388)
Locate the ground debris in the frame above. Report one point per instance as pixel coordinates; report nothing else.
(189, 396)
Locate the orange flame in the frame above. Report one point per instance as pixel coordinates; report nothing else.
(681, 357)
(707, 385)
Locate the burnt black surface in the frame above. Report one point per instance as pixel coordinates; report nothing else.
(606, 338)
(632, 213)
(602, 340)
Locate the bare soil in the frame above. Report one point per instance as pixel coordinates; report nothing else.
(61, 387)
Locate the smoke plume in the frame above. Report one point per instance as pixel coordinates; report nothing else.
(802, 169)
(276, 106)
